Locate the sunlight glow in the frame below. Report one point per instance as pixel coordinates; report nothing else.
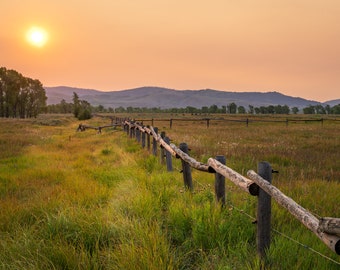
(37, 36)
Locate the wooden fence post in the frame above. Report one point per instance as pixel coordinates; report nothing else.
(148, 143)
(143, 139)
(170, 123)
(154, 143)
(186, 168)
(126, 127)
(162, 150)
(138, 137)
(131, 131)
(263, 211)
(220, 183)
(168, 156)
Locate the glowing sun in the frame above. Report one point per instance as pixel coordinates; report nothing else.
(37, 36)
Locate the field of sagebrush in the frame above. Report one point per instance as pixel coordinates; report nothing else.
(82, 200)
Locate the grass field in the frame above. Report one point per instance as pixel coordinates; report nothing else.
(82, 200)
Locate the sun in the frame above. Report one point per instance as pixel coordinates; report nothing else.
(37, 36)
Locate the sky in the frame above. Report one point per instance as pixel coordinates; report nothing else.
(288, 46)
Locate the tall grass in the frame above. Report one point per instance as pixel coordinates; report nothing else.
(83, 200)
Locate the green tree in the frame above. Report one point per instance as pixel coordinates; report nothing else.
(241, 110)
(76, 105)
(319, 109)
(224, 109)
(295, 110)
(232, 108)
(20, 96)
(213, 109)
(309, 110)
(85, 111)
(335, 109)
(251, 109)
(204, 109)
(285, 109)
(328, 109)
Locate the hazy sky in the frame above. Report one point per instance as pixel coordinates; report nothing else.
(289, 46)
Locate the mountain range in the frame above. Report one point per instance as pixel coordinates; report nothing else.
(158, 97)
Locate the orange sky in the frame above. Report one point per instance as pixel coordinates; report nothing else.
(289, 46)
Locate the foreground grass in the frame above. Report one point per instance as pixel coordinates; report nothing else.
(73, 200)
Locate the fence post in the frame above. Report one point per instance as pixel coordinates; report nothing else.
(168, 156)
(126, 128)
(131, 131)
(220, 183)
(186, 168)
(162, 149)
(263, 211)
(143, 139)
(138, 135)
(154, 143)
(148, 140)
(170, 123)
(208, 123)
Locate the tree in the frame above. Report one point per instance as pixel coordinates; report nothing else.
(335, 109)
(20, 96)
(232, 108)
(251, 109)
(295, 110)
(241, 109)
(309, 110)
(213, 109)
(285, 109)
(76, 105)
(81, 108)
(190, 109)
(319, 109)
(205, 109)
(224, 109)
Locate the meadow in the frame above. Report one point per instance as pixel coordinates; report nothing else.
(82, 200)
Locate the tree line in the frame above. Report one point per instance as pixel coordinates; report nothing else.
(81, 109)
(232, 108)
(20, 96)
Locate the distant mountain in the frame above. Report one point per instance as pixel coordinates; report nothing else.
(332, 102)
(169, 98)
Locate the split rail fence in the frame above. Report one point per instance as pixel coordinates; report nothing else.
(327, 229)
(247, 121)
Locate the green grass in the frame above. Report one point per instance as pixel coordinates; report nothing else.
(82, 200)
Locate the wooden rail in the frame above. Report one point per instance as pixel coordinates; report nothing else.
(325, 233)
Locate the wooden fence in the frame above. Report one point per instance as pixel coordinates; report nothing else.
(327, 229)
(247, 121)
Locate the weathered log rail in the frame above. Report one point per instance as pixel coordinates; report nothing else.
(82, 127)
(325, 233)
(327, 229)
